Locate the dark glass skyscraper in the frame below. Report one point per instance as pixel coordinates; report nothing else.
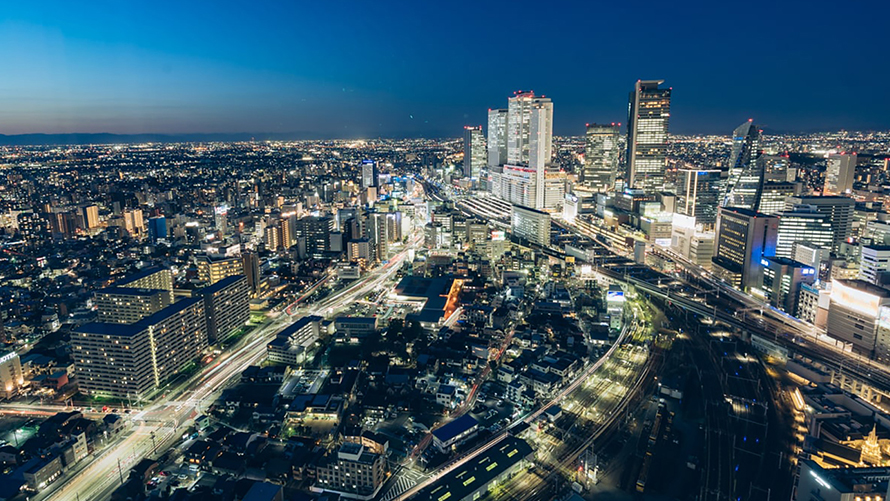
(475, 155)
(745, 173)
(370, 174)
(600, 156)
(649, 111)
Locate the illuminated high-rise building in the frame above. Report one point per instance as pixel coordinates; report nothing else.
(530, 138)
(497, 137)
(370, 174)
(840, 212)
(744, 238)
(774, 193)
(474, 152)
(802, 224)
(839, 174)
(743, 189)
(600, 157)
(648, 115)
(698, 194)
(91, 216)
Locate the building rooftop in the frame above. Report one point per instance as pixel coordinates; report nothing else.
(299, 324)
(139, 275)
(864, 286)
(479, 471)
(455, 427)
(111, 329)
(130, 291)
(222, 284)
(848, 479)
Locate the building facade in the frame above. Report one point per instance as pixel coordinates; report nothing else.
(649, 112)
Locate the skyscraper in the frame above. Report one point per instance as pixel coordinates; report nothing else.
(474, 151)
(698, 193)
(540, 148)
(497, 138)
(519, 110)
(802, 224)
(744, 238)
(839, 174)
(369, 173)
(529, 147)
(600, 157)
(840, 212)
(745, 183)
(648, 114)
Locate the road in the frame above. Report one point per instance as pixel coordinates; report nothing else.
(170, 413)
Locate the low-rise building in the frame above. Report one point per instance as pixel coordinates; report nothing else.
(355, 472)
(473, 479)
(293, 344)
(454, 432)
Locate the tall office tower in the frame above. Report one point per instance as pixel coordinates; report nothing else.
(250, 261)
(132, 360)
(474, 151)
(698, 194)
(370, 174)
(315, 233)
(600, 157)
(91, 216)
(743, 187)
(802, 224)
(497, 138)
(774, 193)
(519, 110)
(157, 228)
(648, 114)
(840, 211)
(857, 316)
(744, 238)
(530, 224)
(226, 306)
(378, 236)
(540, 148)
(839, 174)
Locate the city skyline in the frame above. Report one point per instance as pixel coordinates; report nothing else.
(389, 71)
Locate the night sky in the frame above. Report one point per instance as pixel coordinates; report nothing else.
(421, 68)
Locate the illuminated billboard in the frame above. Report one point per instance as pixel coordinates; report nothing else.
(498, 235)
(615, 296)
(855, 299)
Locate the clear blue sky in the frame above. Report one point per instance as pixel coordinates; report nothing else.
(421, 68)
